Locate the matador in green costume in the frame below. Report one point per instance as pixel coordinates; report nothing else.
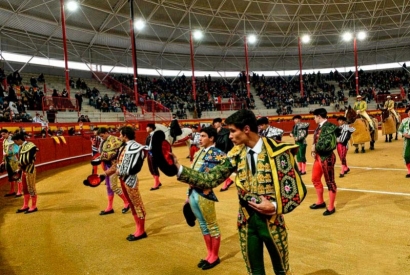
(268, 186)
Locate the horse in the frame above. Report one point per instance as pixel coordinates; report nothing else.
(184, 137)
(364, 133)
(390, 124)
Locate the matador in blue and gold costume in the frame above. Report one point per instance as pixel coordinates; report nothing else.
(268, 186)
(202, 201)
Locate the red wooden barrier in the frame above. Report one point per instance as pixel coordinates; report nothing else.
(52, 155)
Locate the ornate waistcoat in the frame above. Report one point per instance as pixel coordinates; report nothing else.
(203, 162)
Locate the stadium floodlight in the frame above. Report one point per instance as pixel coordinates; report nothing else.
(72, 5)
(251, 39)
(361, 35)
(347, 36)
(139, 24)
(306, 38)
(198, 35)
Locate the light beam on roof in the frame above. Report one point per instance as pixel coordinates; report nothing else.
(347, 36)
(139, 24)
(251, 39)
(361, 35)
(72, 5)
(198, 35)
(306, 38)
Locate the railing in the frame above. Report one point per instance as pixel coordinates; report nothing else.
(380, 99)
(115, 85)
(151, 110)
(231, 106)
(133, 117)
(146, 105)
(60, 103)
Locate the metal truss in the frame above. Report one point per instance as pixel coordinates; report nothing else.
(99, 32)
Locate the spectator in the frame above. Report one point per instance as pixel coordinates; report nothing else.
(82, 119)
(17, 77)
(12, 95)
(41, 78)
(79, 98)
(64, 93)
(13, 108)
(20, 107)
(33, 82)
(25, 117)
(72, 83)
(51, 114)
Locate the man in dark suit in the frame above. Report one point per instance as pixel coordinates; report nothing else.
(174, 128)
(224, 143)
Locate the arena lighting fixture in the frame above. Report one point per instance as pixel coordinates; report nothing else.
(198, 34)
(347, 36)
(361, 35)
(305, 38)
(139, 24)
(251, 39)
(72, 5)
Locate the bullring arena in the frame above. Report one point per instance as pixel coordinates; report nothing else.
(367, 235)
(200, 60)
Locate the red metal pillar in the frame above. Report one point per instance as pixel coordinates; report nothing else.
(134, 52)
(355, 64)
(191, 44)
(300, 67)
(248, 87)
(67, 77)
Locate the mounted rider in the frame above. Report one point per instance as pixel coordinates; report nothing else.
(389, 105)
(360, 106)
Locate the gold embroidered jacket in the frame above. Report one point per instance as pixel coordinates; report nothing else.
(279, 182)
(27, 156)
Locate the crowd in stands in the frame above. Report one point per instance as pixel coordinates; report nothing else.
(283, 93)
(116, 103)
(279, 93)
(177, 95)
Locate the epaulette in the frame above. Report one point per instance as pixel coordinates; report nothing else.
(134, 147)
(27, 147)
(235, 151)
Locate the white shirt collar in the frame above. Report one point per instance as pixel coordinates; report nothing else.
(207, 148)
(323, 122)
(257, 148)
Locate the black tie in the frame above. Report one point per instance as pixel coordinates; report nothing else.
(253, 166)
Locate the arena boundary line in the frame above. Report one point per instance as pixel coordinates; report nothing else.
(368, 191)
(370, 168)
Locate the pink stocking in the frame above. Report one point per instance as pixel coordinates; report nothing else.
(124, 199)
(140, 226)
(332, 198)
(208, 243)
(110, 202)
(216, 242)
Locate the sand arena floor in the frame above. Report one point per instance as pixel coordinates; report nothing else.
(368, 235)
